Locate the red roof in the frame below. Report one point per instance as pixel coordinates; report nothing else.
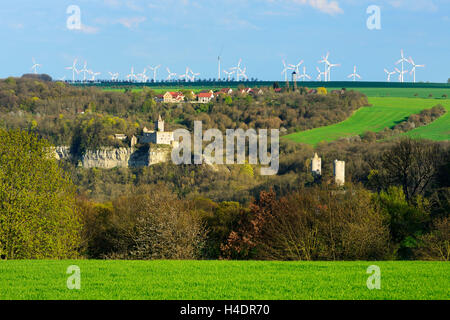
(205, 95)
(176, 94)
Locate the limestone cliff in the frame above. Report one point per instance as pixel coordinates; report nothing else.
(108, 158)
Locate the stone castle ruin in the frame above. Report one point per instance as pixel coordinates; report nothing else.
(157, 136)
(339, 172)
(338, 169)
(159, 151)
(316, 165)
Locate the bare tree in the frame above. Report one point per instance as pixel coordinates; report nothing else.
(412, 164)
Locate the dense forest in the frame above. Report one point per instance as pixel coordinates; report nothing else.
(394, 205)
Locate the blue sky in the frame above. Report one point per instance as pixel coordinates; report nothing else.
(116, 35)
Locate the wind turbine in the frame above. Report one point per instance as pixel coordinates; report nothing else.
(193, 75)
(400, 74)
(35, 66)
(331, 65)
(142, 76)
(354, 75)
(219, 76)
(319, 76)
(186, 75)
(171, 74)
(304, 75)
(413, 70)
(228, 73)
(389, 74)
(326, 64)
(155, 70)
(402, 60)
(94, 74)
(131, 75)
(74, 69)
(296, 67)
(114, 76)
(238, 70)
(84, 71)
(243, 73)
(286, 69)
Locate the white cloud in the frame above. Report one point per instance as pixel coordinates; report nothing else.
(132, 23)
(89, 29)
(326, 6)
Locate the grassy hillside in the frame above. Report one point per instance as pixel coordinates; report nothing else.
(163, 280)
(385, 112)
(439, 130)
(402, 92)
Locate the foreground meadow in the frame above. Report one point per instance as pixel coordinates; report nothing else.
(204, 280)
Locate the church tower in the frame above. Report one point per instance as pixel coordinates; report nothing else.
(159, 125)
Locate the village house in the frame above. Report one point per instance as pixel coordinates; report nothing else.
(245, 91)
(173, 97)
(205, 97)
(226, 91)
(256, 91)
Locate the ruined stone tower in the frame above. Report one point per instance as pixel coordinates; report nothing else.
(316, 165)
(159, 125)
(339, 172)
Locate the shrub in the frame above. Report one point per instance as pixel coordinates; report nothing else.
(436, 244)
(153, 223)
(312, 224)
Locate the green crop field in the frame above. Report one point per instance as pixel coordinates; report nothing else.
(384, 112)
(223, 280)
(439, 130)
(402, 92)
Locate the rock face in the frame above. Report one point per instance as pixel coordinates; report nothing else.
(61, 153)
(108, 158)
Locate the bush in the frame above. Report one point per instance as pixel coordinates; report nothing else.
(436, 244)
(153, 223)
(312, 224)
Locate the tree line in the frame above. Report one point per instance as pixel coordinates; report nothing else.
(398, 211)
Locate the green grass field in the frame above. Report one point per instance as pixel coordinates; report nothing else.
(402, 92)
(439, 130)
(222, 280)
(385, 112)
